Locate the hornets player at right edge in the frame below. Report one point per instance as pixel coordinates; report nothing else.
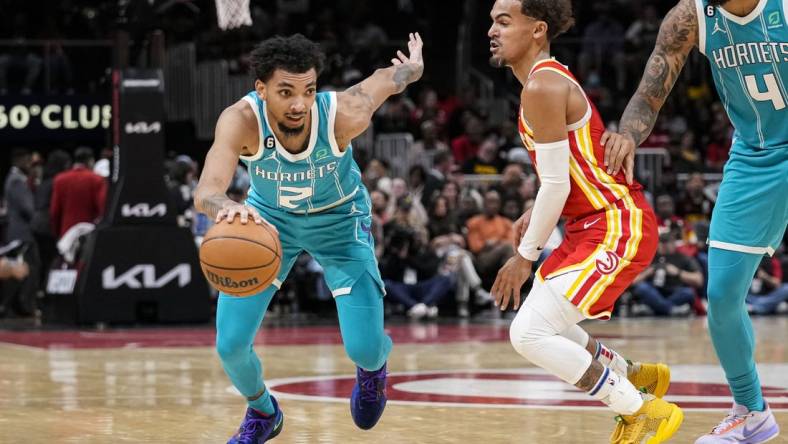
(296, 145)
(746, 42)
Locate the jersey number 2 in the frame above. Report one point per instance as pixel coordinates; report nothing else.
(288, 200)
(772, 93)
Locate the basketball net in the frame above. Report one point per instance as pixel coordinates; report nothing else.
(233, 14)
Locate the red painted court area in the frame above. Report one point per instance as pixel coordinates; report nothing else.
(425, 387)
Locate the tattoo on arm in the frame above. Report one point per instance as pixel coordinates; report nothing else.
(361, 100)
(362, 103)
(211, 205)
(404, 75)
(677, 35)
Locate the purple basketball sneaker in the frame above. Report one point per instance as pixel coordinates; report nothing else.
(369, 397)
(256, 428)
(743, 426)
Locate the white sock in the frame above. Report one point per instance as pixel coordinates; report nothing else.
(617, 392)
(610, 358)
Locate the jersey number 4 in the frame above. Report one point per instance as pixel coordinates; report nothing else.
(294, 195)
(772, 93)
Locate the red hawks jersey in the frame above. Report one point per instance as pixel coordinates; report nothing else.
(592, 189)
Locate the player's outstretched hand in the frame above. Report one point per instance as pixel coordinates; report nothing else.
(619, 153)
(510, 280)
(414, 58)
(243, 212)
(520, 226)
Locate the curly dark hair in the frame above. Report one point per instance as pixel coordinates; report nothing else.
(295, 53)
(556, 13)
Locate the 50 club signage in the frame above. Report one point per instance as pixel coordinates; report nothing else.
(75, 118)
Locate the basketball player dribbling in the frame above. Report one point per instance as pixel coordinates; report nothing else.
(296, 144)
(746, 42)
(611, 231)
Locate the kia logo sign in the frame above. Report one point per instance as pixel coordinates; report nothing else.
(143, 127)
(143, 210)
(144, 276)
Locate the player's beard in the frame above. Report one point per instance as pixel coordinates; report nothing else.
(717, 2)
(290, 131)
(497, 62)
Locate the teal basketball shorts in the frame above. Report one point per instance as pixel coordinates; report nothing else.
(339, 238)
(751, 211)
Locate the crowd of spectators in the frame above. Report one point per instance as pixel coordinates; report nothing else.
(443, 227)
(47, 201)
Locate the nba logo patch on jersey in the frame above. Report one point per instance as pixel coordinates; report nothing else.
(607, 262)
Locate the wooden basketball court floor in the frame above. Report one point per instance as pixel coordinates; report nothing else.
(449, 383)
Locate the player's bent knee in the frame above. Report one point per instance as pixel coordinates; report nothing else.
(366, 353)
(525, 335)
(723, 290)
(722, 316)
(232, 348)
(724, 285)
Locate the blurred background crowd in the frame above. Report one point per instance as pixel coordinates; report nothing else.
(443, 162)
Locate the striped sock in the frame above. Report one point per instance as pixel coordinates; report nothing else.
(610, 358)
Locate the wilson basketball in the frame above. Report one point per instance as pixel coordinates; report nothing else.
(240, 259)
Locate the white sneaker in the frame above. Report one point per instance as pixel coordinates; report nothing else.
(482, 296)
(432, 312)
(640, 310)
(462, 310)
(418, 311)
(743, 426)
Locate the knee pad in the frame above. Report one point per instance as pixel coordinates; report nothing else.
(528, 332)
(538, 341)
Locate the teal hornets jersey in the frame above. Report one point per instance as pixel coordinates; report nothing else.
(319, 178)
(749, 61)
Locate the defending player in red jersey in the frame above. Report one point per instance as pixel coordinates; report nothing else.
(611, 231)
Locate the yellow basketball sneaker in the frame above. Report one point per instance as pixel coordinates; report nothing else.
(655, 422)
(655, 378)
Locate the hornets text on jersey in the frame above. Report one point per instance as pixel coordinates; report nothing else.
(749, 62)
(319, 178)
